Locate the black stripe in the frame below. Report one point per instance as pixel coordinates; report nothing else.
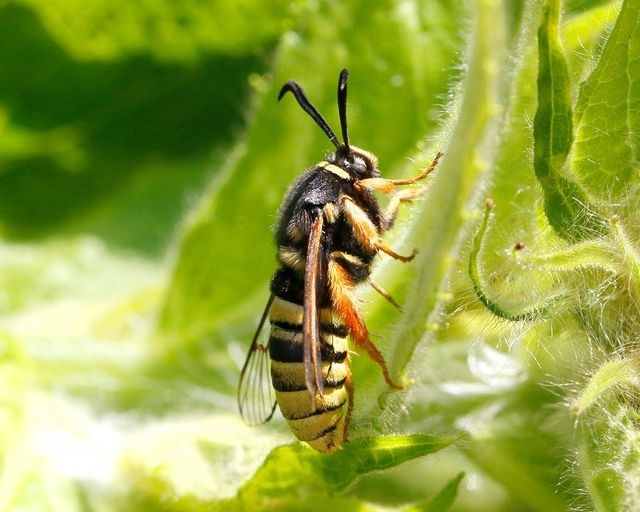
(316, 412)
(286, 285)
(331, 329)
(286, 326)
(280, 385)
(285, 351)
(358, 271)
(334, 330)
(333, 356)
(327, 430)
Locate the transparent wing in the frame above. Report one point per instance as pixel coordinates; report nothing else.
(256, 397)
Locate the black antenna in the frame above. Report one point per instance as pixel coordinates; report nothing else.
(306, 105)
(342, 107)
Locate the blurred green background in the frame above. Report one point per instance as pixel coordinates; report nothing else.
(112, 115)
(143, 156)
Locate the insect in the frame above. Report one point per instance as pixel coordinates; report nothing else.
(329, 231)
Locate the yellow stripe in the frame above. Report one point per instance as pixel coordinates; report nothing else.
(295, 337)
(339, 344)
(285, 311)
(297, 404)
(295, 232)
(349, 258)
(335, 170)
(330, 316)
(291, 258)
(307, 429)
(293, 373)
(331, 441)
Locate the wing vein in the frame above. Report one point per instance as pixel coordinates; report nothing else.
(310, 323)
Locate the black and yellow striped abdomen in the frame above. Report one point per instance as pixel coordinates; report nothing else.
(318, 422)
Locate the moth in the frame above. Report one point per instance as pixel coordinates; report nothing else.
(328, 235)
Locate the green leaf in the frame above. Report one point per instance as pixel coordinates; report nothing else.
(443, 501)
(553, 125)
(609, 453)
(453, 184)
(567, 206)
(621, 372)
(113, 148)
(295, 473)
(574, 6)
(627, 251)
(513, 444)
(364, 455)
(608, 112)
(167, 30)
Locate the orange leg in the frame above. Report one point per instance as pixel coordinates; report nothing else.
(341, 290)
(385, 294)
(404, 196)
(365, 232)
(394, 254)
(388, 186)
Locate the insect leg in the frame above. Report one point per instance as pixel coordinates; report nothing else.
(385, 294)
(388, 250)
(388, 186)
(403, 196)
(341, 290)
(365, 232)
(363, 229)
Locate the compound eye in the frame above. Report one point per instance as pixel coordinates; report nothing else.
(359, 165)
